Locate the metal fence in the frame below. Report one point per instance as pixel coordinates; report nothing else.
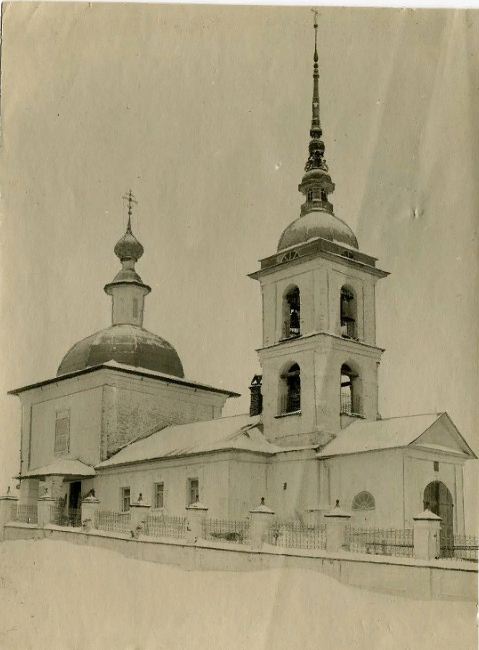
(226, 530)
(13, 511)
(295, 534)
(460, 547)
(28, 514)
(61, 516)
(165, 526)
(380, 541)
(115, 522)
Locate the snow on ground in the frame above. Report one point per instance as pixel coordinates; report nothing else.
(57, 596)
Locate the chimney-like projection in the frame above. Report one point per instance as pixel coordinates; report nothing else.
(256, 403)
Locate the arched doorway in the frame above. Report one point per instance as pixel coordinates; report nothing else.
(439, 500)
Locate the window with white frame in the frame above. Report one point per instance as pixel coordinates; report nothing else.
(193, 491)
(159, 495)
(125, 499)
(62, 432)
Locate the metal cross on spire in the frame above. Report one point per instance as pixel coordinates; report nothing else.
(315, 13)
(130, 197)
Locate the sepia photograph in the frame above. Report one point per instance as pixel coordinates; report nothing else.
(239, 270)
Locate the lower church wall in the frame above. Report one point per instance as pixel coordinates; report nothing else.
(380, 474)
(419, 471)
(230, 484)
(233, 483)
(293, 484)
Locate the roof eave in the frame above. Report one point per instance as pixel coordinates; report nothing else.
(140, 371)
(101, 467)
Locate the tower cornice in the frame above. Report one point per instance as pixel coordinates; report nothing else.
(319, 247)
(300, 342)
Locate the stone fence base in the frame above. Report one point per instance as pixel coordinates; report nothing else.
(408, 577)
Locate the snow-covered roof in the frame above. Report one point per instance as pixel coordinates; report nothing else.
(239, 432)
(371, 435)
(62, 467)
(134, 370)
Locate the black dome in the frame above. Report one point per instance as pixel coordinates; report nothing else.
(127, 344)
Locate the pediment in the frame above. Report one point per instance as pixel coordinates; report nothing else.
(442, 435)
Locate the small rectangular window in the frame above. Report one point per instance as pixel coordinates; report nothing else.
(125, 499)
(193, 491)
(135, 307)
(436, 466)
(62, 432)
(159, 495)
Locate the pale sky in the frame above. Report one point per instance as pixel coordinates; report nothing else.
(204, 112)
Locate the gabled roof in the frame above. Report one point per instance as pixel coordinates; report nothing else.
(390, 433)
(239, 432)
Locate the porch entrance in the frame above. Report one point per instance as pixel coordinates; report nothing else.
(439, 500)
(74, 495)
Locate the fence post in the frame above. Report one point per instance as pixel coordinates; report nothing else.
(316, 514)
(44, 505)
(29, 488)
(337, 521)
(261, 518)
(89, 506)
(196, 514)
(6, 502)
(426, 535)
(139, 512)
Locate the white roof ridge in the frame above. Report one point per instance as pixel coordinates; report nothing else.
(409, 415)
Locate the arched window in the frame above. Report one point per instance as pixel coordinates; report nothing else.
(348, 313)
(292, 313)
(363, 501)
(310, 195)
(350, 398)
(291, 390)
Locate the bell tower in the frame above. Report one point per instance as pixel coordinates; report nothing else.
(319, 355)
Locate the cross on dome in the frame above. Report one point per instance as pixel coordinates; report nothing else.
(128, 247)
(130, 197)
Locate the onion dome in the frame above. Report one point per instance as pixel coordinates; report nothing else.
(128, 247)
(129, 250)
(317, 217)
(126, 344)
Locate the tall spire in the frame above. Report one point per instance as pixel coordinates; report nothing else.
(316, 145)
(315, 122)
(317, 218)
(316, 183)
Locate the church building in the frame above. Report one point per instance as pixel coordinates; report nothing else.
(121, 417)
